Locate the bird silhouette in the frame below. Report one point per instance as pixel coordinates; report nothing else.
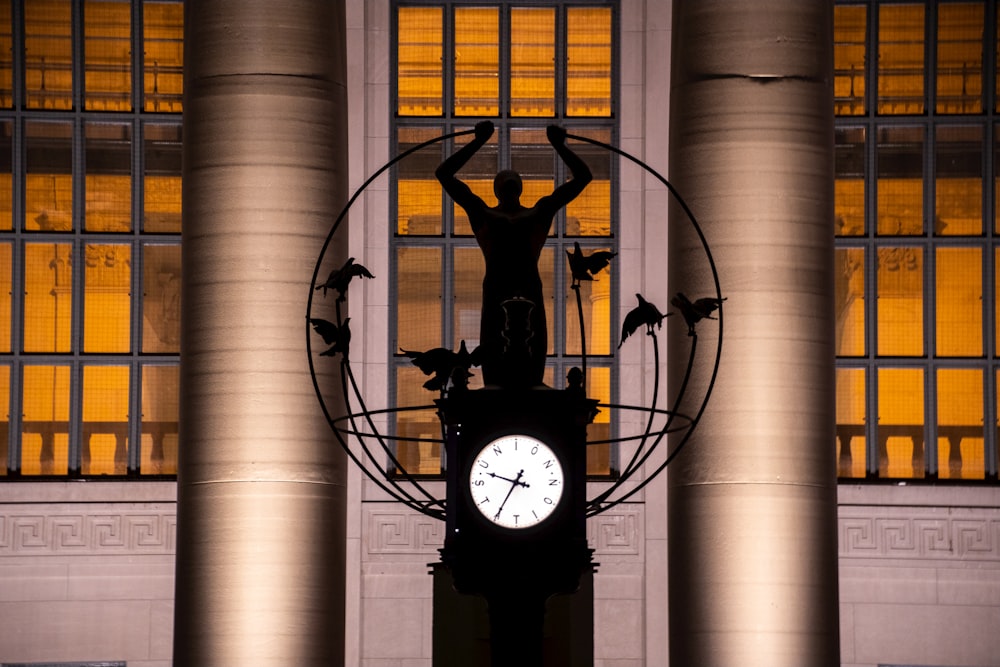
(444, 365)
(645, 313)
(585, 267)
(697, 310)
(340, 279)
(337, 337)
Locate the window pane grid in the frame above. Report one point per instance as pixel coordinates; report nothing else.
(916, 260)
(90, 239)
(437, 265)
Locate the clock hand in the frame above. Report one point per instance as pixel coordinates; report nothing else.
(507, 479)
(513, 485)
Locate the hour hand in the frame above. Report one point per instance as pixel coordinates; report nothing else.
(516, 482)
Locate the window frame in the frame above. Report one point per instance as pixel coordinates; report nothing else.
(928, 241)
(451, 239)
(78, 117)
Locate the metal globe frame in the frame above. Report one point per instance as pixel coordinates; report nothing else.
(356, 429)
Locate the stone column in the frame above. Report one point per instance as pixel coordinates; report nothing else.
(752, 498)
(261, 482)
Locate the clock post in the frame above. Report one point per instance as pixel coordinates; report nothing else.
(516, 511)
(515, 450)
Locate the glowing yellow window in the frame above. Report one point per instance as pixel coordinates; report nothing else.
(851, 448)
(161, 178)
(849, 30)
(959, 302)
(849, 186)
(109, 177)
(107, 55)
(901, 422)
(588, 61)
(468, 286)
(6, 290)
(900, 284)
(48, 186)
(590, 213)
(419, 294)
(958, 185)
(532, 61)
(107, 276)
(163, 55)
(849, 289)
(104, 434)
(45, 420)
(6, 62)
(418, 193)
(996, 288)
(998, 68)
(960, 57)
(6, 177)
(160, 391)
(900, 185)
(599, 431)
(595, 297)
(161, 298)
(416, 429)
(996, 178)
(477, 61)
(419, 74)
(901, 59)
(960, 426)
(48, 297)
(5, 415)
(48, 54)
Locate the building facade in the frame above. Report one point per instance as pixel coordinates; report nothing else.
(92, 112)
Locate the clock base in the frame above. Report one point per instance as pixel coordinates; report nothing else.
(516, 569)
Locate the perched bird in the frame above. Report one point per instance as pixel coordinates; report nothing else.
(445, 365)
(340, 278)
(585, 267)
(645, 313)
(337, 337)
(695, 311)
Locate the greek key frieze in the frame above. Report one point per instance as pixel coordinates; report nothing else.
(29, 532)
(935, 535)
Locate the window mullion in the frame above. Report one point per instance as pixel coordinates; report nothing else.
(78, 65)
(560, 64)
(504, 58)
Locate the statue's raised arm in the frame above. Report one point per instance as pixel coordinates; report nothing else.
(447, 170)
(580, 175)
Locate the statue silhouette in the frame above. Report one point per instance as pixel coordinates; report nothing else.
(512, 331)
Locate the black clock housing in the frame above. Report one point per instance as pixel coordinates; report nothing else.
(477, 548)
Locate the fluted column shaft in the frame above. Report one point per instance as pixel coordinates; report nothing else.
(752, 499)
(261, 516)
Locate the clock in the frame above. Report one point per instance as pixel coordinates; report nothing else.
(516, 481)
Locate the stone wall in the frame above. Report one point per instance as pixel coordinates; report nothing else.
(87, 572)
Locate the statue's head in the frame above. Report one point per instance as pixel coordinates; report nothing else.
(507, 185)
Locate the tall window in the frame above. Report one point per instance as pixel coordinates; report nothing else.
(90, 146)
(918, 239)
(523, 67)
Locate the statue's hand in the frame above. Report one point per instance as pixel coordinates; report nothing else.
(556, 134)
(484, 130)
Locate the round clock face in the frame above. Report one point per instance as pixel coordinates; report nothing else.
(516, 481)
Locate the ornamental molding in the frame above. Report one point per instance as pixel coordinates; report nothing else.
(393, 531)
(76, 530)
(926, 533)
